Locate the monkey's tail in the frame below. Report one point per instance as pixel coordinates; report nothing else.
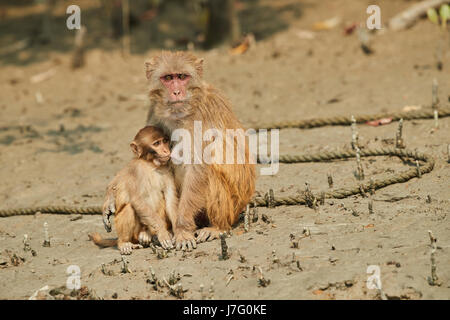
(102, 243)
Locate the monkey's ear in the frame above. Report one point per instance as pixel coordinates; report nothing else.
(150, 66)
(137, 150)
(199, 66)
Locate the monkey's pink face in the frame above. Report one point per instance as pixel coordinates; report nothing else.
(176, 85)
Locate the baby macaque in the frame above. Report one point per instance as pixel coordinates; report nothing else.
(145, 195)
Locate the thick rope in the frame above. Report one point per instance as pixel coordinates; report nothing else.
(426, 166)
(50, 209)
(344, 121)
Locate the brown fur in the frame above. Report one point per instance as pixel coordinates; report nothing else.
(145, 195)
(220, 190)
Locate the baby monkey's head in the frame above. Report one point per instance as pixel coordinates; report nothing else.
(151, 144)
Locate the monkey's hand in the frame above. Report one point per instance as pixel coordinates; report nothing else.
(184, 240)
(165, 239)
(109, 208)
(208, 234)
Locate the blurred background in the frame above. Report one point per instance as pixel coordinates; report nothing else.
(137, 25)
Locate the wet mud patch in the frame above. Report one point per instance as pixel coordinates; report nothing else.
(72, 141)
(10, 134)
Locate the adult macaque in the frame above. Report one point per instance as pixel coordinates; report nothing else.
(211, 195)
(145, 195)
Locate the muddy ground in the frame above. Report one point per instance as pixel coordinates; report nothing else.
(63, 139)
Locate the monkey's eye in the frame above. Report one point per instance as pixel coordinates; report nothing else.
(182, 76)
(166, 140)
(168, 77)
(157, 143)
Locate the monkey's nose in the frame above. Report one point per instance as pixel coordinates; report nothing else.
(176, 93)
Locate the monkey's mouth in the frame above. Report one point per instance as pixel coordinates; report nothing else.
(164, 159)
(177, 103)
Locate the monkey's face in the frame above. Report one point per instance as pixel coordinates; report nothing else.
(176, 86)
(160, 150)
(173, 77)
(151, 144)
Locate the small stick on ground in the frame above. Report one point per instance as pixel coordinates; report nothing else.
(362, 191)
(371, 206)
(202, 291)
(27, 246)
(26, 243)
(434, 94)
(229, 280)
(175, 290)
(382, 294)
(435, 102)
(255, 215)
(211, 291)
(448, 153)
(306, 232)
(365, 40)
(371, 186)
(46, 242)
(270, 198)
(265, 218)
(322, 198)
(419, 174)
(360, 170)
(153, 275)
(310, 199)
(330, 180)
(105, 271)
(436, 118)
(125, 268)
(262, 282)
(433, 280)
(242, 259)
(399, 143)
(77, 217)
(296, 261)
(354, 133)
(174, 277)
(246, 218)
(275, 259)
(224, 247)
(294, 243)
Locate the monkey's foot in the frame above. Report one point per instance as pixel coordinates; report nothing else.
(127, 247)
(208, 234)
(165, 239)
(184, 240)
(144, 238)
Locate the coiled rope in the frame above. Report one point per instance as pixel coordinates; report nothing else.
(426, 167)
(427, 164)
